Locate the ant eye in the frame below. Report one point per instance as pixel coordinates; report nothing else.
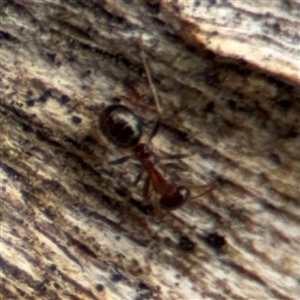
(120, 126)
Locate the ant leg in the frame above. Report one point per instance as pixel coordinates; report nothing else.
(120, 160)
(128, 195)
(208, 188)
(146, 190)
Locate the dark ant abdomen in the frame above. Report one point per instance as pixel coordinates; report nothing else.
(175, 198)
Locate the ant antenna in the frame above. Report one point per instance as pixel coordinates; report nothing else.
(150, 81)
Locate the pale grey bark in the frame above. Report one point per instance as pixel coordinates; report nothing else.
(227, 74)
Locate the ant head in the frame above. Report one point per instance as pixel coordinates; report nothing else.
(175, 199)
(120, 126)
(142, 151)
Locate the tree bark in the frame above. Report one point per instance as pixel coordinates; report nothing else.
(227, 76)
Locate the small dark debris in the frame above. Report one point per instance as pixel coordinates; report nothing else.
(215, 240)
(30, 103)
(76, 120)
(99, 287)
(53, 267)
(117, 277)
(64, 99)
(117, 237)
(185, 244)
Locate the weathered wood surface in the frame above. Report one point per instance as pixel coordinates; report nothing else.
(227, 73)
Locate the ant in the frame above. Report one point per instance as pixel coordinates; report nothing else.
(124, 128)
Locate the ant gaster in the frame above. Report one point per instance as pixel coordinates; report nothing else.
(124, 128)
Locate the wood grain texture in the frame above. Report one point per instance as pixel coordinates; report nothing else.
(227, 74)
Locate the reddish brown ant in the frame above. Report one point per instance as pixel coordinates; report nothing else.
(123, 128)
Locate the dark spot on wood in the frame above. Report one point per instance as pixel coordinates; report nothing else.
(185, 244)
(86, 73)
(284, 104)
(76, 120)
(145, 209)
(142, 286)
(211, 76)
(20, 292)
(48, 212)
(209, 55)
(51, 56)
(291, 134)
(80, 246)
(168, 242)
(215, 240)
(30, 103)
(56, 285)
(117, 277)
(8, 37)
(26, 128)
(52, 185)
(44, 97)
(9, 171)
(197, 3)
(71, 57)
(242, 270)
(72, 142)
(134, 262)
(209, 107)
(173, 38)
(99, 287)
(231, 104)
(154, 5)
(214, 33)
(275, 158)
(211, 3)
(64, 99)
(88, 139)
(144, 296)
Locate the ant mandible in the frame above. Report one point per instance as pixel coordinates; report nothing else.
(123, 128)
